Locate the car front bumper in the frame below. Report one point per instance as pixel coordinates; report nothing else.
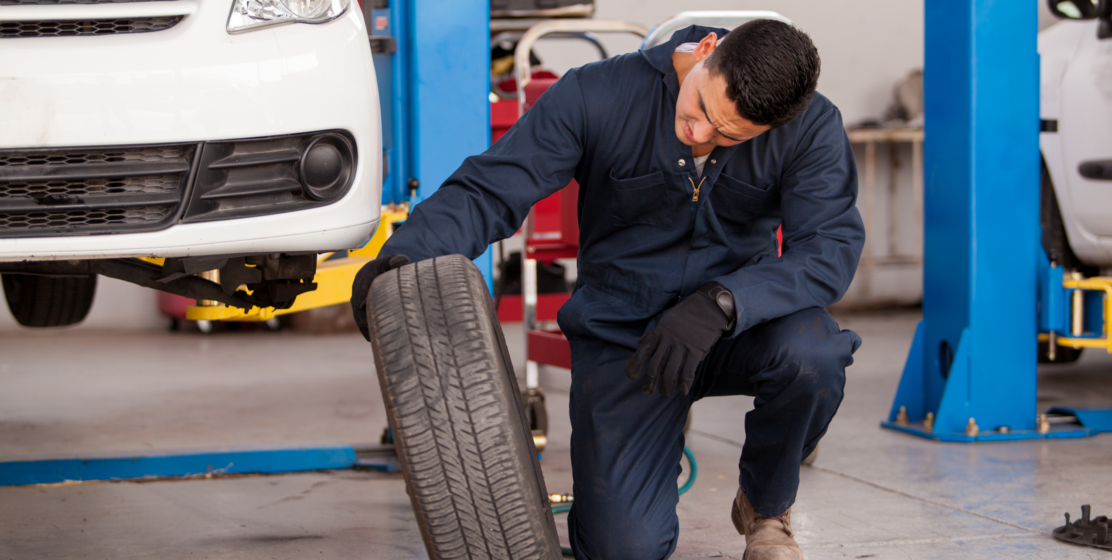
(194, 82)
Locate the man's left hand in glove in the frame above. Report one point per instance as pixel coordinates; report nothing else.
(362, 284)
(682, 338)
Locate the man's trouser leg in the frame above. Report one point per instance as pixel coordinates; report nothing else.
(795, 367)
(626, 446)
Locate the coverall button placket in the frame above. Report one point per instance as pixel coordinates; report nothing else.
(698, 252)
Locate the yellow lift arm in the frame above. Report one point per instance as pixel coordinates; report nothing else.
(1077, 313)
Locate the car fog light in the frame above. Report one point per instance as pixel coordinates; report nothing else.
(254, 14)
(326, 166)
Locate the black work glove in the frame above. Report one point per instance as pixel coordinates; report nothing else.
(362, 285)
(682, 338)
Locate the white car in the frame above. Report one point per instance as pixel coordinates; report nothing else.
(1076, 139)
(234, 135)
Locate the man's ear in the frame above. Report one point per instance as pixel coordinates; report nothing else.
(705, 47)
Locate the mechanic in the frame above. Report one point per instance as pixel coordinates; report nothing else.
(688, 155)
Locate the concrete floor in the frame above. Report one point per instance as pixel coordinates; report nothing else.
(871, 494)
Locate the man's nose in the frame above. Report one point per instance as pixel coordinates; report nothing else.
(703, 132)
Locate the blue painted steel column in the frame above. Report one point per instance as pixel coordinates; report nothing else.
(392, 96)
(981, 220)
(448, 46)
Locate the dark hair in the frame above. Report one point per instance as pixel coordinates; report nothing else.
(771, 69)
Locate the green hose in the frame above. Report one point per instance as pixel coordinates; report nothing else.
(694, 471)
(564, 508)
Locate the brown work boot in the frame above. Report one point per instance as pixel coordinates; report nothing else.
(766, 538)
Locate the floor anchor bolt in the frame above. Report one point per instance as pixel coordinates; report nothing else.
(901, 417)
(1044, 424)
(971, 428)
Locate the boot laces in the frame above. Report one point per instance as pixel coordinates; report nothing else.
(783, 519)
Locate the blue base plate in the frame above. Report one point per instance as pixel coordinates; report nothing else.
(1099, 419)
(241, 460)
(1056, 432)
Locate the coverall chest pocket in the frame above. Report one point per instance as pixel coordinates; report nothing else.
(737, 203)
(642, 200)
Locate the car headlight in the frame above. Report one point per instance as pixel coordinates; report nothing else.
(253, 14)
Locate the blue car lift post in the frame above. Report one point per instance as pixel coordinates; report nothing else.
(432, 58)
(971, 371)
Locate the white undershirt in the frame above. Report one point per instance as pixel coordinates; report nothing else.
(700, 162)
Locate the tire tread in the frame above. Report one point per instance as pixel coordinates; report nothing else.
(452, 399)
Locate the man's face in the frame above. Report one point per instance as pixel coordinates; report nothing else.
(704, 115)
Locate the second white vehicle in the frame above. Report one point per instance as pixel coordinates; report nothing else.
(1076, 141)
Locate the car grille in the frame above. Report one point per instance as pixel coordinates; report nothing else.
(139, 185)
(73, 191)
(68, 28)
(73, 219)
(168, 154)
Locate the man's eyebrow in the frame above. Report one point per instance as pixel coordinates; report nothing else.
(704, 109)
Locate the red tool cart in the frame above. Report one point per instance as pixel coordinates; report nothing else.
(552, 228)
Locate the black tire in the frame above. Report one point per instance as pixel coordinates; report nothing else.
(536, 411)
(1057, 247)
(1062, 354)
(459, 425)
(1054, 239)
(44, 301)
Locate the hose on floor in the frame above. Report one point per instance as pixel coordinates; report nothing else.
(562, 502)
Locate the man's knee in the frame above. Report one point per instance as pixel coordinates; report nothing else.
(811, 350)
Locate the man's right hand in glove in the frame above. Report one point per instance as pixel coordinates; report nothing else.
(362, 285)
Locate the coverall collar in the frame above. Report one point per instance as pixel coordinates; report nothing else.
(660, 56)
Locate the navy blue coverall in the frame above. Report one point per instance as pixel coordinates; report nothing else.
(645, 243)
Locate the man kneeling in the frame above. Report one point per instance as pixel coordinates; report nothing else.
(689, 156)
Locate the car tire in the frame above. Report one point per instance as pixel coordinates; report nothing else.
(1058, 250)
(459, 425)
(45, 301)
(1054, 239)
(1062, 354)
